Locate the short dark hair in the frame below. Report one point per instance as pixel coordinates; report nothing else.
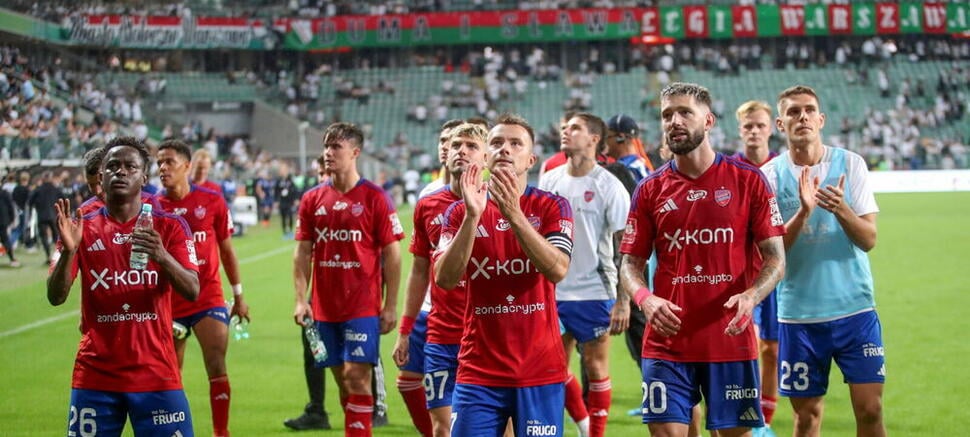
(178, 146)
(596, 126)
(699, 93)
(344, 131)
(133, 143)
(796, 90)
(518, 121)
(450, 124)
(93, 159)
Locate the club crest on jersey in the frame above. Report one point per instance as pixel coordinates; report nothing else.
(722, 196)
(588, 196)
(535, 222)
(695, 195)
(503, 225)
(199, 212)
(357, 209)
(120, 238)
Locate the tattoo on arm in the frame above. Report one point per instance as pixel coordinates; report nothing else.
(773, 269)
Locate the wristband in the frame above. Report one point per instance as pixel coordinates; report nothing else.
(407, 325)
(237, 290)
(642, 294)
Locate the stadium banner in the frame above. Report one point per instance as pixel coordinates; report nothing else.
(168, 32)
(490, 27)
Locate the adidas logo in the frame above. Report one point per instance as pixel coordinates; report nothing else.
(358, 352)
(96, 246)
(481, 232)
(882, 371)
(221, 397)
(750, 414)
(438, 219)
(177, 434)
(357, 425)
(668, 206)
(322, 210)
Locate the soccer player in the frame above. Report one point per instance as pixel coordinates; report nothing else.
(445, 321)
(511, 243)
(623, 144)
(706, 217)
(126, 364)
(754, 128)
(201, 165)
(208, 218)
(444, 177)
(349, 230)
(825, 304)
(586, 297)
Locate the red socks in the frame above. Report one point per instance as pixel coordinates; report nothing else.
(357, 415)
(412, 390)
(574, 399)
(219, 402)
(600, 394)
(768, 405)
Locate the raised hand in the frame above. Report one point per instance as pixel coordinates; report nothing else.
(69, 228)
(807, 189)
(832, 198)
(473, 190)
(504, 188)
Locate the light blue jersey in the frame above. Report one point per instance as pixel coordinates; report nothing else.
(827, 276)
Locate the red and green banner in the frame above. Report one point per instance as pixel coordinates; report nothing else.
(491, 27)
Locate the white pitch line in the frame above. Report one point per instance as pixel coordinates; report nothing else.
(39, 323)
(75, 313)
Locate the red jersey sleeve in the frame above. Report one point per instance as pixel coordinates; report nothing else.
(223, 220)
(420, 245)
(557, 225)
(388, 225)
(304, 217)
(177, 239)
(766, 220)
(640, 230)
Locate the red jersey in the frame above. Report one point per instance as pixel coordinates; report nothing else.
(349, 231)
(447, 317)
(212, 186)
(705, 233)
(126, 315)
(208, 218)
(511, 336)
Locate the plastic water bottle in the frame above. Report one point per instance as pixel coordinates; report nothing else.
(238, 327)
(317, 348)
(179, 331)
(139, 260)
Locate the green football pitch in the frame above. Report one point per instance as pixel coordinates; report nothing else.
(919, 263)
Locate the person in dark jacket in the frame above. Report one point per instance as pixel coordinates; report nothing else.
(42, 200)
(7, 216)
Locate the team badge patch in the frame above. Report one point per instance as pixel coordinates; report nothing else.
(357, 209)
(535, 222)
(630, 231)
(199, 212)
(588, 196)
(722, 196)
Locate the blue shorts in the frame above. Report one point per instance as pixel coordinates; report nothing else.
(585, 320)
(484, 411)
(154, 413)
(731, 390)
(766, 317)
(356, 340)
(416, 344)
(440, 369)
(806, 351)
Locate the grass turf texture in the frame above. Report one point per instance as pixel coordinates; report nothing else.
(920, 290)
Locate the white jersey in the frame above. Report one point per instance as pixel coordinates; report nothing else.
(861, 200)
(600, 206)
(432, 186)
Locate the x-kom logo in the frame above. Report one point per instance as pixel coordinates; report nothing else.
(107, 278)
(326, 234)
(686, 237)
(486, 268)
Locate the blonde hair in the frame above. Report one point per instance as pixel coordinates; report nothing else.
(751, 106)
